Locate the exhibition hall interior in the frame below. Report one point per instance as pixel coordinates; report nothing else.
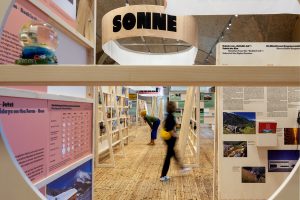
(150, 99)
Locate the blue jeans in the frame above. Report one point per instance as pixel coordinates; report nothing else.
(154, 130)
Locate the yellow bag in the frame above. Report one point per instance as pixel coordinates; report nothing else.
(165, 134)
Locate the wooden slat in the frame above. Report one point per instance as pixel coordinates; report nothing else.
(150, 75)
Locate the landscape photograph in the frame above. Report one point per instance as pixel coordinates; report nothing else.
(76, 184)
(235, 148)
(239, 122)
(253, 174)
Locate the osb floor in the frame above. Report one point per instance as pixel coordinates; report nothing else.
(137, 175)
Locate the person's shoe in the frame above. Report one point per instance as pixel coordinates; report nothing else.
(151, 143)
(185, 170)
(164, 178)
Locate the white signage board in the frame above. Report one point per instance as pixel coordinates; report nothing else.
(253, 54)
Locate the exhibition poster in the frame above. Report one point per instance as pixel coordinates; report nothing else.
(46, 135)
(261, 120)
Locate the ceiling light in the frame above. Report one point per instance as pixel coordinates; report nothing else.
(229, 24)
(236, 15)
(227, 28)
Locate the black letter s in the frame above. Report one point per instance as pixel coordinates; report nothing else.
(117, 25)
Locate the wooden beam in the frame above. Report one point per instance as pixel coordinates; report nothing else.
(150, 75)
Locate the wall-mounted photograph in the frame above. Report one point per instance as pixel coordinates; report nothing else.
(282, 160)
(76, 184)
(291, 136)
(239, 122)
(235, 148)
(253, 174)
(267, 127)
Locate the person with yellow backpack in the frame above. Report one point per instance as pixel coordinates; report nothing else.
(153, 122)
(169, 135)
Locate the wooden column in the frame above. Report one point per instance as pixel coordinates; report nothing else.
(184, 131)
(161, 110)
(197, 101)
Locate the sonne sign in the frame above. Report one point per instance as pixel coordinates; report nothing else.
(145, 20)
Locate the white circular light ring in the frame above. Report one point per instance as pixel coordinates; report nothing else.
(125, 56)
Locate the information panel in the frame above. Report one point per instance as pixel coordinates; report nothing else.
(46, 135)
(258, 131)
(258, 53)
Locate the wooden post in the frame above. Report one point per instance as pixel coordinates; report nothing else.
(154, 106)
(184, 131)
(161, 110)
(85, 19)
(217, 146)
(137, 115)
(197, 95)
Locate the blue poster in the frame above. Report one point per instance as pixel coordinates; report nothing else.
(74, 185)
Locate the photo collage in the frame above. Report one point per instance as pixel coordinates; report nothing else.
(238, 123)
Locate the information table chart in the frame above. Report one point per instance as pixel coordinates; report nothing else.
(70, 133)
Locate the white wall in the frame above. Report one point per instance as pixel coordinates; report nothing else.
(69, 52)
